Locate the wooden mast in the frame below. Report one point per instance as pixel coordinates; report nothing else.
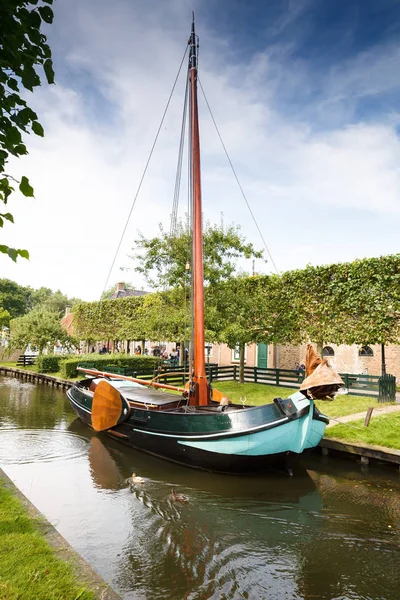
(199, 369)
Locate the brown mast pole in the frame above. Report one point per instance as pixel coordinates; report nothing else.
(199, 373)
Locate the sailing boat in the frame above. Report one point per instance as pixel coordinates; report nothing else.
(199, 427)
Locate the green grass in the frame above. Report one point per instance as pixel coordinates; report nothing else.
(29, 568)
(383, 430)
(258, 394)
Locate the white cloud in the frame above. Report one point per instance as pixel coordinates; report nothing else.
(87, 168)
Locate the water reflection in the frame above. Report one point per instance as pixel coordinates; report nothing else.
(325, 533)
(32, 406)
(25, 446)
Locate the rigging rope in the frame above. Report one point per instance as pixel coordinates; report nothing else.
(180, 160)
(144, 172)
(237, 179)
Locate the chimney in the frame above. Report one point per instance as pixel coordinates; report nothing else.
(67, 310)
(120, 286)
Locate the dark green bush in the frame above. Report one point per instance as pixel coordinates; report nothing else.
(48, 363)
(100, 361)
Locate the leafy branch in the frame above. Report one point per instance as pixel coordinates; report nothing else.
(23, 49)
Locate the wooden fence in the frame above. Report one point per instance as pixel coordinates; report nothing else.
(25, 360)
(357, 384)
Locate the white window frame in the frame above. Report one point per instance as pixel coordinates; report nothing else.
(206, 352)
(236, 354)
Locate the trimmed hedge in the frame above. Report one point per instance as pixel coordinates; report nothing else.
(48, 363)
(100, 361)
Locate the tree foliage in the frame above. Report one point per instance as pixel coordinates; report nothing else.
(346, 303)
(19, 299)
(4, 318)
(38, 328)
(164, 260)
(14, 298)
(24, 58)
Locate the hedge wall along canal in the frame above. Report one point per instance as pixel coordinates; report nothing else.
(49, 363)
(346, 303)
(100, 362)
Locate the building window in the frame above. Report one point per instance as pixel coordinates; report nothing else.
(208, 351)
(366, 351)
(328, 351)
(236, 353)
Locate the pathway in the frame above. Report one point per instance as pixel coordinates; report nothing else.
(378, 410)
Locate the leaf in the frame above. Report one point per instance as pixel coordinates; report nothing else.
(48, 69)
(12, 84)
(13, 136)
(24, 254)
(35, 36)
(37, 128)
(46, 13)
(13, 254)
(25, 187)
(29, 77)
(9, 217)
(20, 149)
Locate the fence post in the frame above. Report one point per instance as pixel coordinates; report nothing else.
(234, 372)
(387, 388)
(277, 377)
(255, 374)
(346, 380)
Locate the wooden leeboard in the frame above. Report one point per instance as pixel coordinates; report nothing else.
(108, 407)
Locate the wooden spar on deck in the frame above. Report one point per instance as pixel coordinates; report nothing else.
(135, 379)
(199, 368)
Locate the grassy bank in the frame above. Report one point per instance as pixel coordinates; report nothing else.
(383, 430)
(29, 568)
(258, 394)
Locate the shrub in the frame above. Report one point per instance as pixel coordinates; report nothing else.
(100, 361)
(49, 363)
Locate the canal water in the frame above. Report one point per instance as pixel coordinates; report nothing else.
(329, 532)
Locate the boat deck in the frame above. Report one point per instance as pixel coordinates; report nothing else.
(149, 397)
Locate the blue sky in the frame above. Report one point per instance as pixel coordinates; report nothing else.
(305, 94)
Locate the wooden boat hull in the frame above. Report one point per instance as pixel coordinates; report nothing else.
(234, 441)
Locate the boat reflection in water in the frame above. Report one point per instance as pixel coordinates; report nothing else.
(308, 536)
(227, 538)
(329, 532)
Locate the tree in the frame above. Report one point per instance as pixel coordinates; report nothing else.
(51, 301)
(242, 312)
(38, 328)
(19, 300)
(347, 303)
(23, 49)
(164, 260)
(14, 298)
(4, 318)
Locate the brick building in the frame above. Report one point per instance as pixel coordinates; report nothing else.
(344, 359)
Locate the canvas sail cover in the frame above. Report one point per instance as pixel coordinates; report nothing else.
(108, 407)
(319, 372)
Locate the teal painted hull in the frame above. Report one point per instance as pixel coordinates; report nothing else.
(293, 436)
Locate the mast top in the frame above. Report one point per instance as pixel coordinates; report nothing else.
(193, 47)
